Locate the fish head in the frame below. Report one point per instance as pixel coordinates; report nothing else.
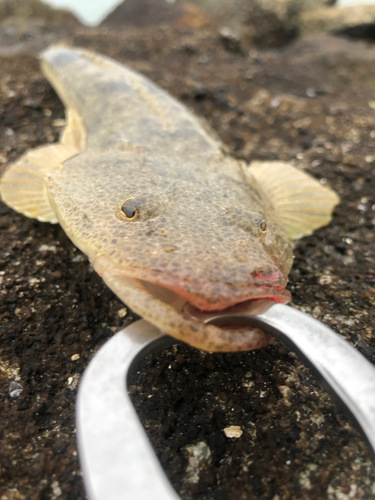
(154, 225)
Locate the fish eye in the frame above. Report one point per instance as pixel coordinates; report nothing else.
(139, 208)
(263, 226)
(129, 209)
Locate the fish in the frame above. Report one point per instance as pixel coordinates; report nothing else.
(175, 227)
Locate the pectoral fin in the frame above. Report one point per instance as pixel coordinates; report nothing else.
(23, 185)
(301, 202)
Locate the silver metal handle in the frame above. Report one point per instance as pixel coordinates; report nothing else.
(116, 456)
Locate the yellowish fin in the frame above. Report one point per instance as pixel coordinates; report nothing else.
(74, 134)
(23, 185)
(301, 202)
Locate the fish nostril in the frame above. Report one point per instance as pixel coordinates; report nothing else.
(266, 275)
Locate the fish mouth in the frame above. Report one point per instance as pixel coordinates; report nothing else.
(197, 309)
(184, 312)
(211, 295)
(223, 297)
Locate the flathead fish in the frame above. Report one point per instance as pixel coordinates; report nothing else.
(168, 220)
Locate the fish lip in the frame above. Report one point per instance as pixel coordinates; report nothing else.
(222, 303)
(216, 296)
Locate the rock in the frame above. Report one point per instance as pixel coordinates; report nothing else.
(230, 39)
(265, 23)
(227, 11)
(345, 60)
(15, 389)
(146, 13)
(199, 456)
(29, 26)
(193, 17)
(23, 35)
(35, 9)
(272, 23)
(355, 21)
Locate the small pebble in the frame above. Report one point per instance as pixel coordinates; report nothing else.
(56, 489)
(325, 279)
(234, 431)
(15, 389)
(75, 357)
(122, 312)
(59, 122)
(311, 92)
(47, 248)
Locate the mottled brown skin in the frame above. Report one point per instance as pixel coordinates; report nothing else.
(197, 230)
(164, 216)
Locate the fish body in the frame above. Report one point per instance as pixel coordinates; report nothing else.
(142, 187)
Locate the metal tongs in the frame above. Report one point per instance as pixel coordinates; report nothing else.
(116, 456)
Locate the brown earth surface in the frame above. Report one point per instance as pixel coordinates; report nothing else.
(312, 104)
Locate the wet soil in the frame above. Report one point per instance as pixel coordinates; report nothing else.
(311, 104)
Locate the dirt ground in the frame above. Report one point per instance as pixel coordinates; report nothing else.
(312, 103)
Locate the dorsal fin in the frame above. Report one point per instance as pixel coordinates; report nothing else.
(301, 202)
